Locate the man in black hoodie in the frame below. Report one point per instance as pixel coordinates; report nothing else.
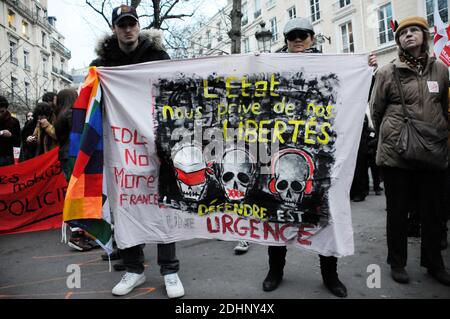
(9, 134)
(128, 45)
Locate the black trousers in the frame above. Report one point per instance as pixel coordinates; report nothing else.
(360, 183)
(277, 260)
(421, 190)
(133, 259)
(375, 171)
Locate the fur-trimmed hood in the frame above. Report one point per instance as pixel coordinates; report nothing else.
(150, 48)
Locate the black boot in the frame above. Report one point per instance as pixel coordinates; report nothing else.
(277, 260)
(328, 268)
(273, 279)
(440, 275)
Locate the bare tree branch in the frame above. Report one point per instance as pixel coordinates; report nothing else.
(100, 12)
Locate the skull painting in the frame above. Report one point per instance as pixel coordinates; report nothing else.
(190, 169)
(237, 174)
(292, 172)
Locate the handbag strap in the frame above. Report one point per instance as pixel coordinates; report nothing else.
(399, 86)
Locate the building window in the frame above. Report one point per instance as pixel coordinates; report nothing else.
(44, 67)
(443, 11)
(11, 18)
(347, 38)
(26, 60)
(257, 9)
(274, 29)
(343, 3)
(27, 92)
(219, 31)
(385, 33)
(292, 13)
(44, 39)
(25, 29)
(13, 86)
(244, 14)
(244, 20)
(13, 52)
(246, 45)
(270, 3)
(315, 10)
(208, 39)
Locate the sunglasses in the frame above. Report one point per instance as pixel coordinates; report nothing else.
(292, 36)
(129, 24)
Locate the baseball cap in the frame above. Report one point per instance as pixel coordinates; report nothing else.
(123, 11)
(298, 24)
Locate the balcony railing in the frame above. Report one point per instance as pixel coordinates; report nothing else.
(55, 44)
(66, 75)
(27, 12)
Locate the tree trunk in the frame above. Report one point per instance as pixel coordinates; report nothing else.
(156, 14)
(235, 32)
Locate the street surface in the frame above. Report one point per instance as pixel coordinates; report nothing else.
(34, 265)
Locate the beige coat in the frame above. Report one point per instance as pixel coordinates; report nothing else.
(424, 101)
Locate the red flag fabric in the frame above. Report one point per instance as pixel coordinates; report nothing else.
(441, 37)
(32, 195)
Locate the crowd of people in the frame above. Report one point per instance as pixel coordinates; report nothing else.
(423, 192)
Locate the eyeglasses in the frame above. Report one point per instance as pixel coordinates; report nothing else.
(292, 36)
(129, 24)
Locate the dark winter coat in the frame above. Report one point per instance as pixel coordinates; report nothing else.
(11, 124)
(150, 48)
(63, 126)
(386, 107)
(28, 150)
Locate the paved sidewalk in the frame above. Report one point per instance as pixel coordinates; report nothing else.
(34, 265)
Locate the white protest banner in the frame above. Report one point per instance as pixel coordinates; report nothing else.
(243, 147)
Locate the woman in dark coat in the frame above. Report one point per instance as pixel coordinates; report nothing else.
(424, 82)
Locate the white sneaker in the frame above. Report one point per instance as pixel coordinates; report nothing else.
(174, 287)
(241, 247)
(128, 283)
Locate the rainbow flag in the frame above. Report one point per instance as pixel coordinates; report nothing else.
(86, 204)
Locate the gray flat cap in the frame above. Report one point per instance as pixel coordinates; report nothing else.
(300, 24)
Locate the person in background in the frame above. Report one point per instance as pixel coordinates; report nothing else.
(9, 133)
(360, 184)
(372, 152)
(28, 151)
(44, 136)
(50, 98)
(65, 99)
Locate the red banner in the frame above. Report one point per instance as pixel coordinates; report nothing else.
(32, 195)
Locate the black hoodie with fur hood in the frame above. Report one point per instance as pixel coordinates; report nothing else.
(150, 48)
